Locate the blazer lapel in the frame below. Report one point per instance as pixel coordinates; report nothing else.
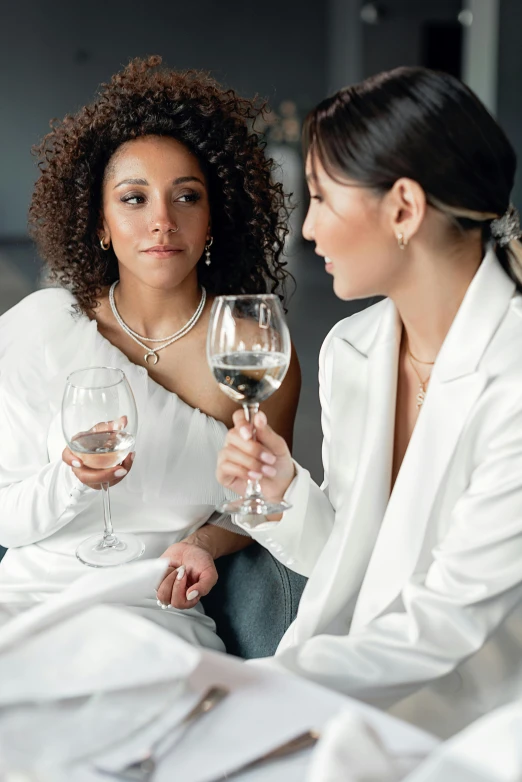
(362, 410)
(456, 383)
(427, 458)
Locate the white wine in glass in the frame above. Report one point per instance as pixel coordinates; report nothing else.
(100, 421)
(249, 349)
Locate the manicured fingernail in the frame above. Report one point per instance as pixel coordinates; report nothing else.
(76, 463)
(245, 433)
(261, 419)
(192, 595)
(133, 454)
(120, 473)
(181, 573)
(269, 458)
(255, 475)
(270, 472)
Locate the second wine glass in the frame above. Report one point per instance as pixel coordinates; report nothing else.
(249, 351)
(100, 421)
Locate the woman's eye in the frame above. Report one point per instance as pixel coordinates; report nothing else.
(188, 198)
(133, 199)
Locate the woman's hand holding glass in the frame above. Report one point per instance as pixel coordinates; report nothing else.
(266, 458)
(99, 422)
(248, 350)
(95, 477)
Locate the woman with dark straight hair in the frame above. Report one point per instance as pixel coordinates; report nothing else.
(413, 544)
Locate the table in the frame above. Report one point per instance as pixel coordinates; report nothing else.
(266, 708)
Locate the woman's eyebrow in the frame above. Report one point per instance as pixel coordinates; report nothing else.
(131, 182)
(179, 181)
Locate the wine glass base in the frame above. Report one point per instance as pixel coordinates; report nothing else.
(92, 552)
(254, 506)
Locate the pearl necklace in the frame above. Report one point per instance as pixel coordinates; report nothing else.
(166, 340)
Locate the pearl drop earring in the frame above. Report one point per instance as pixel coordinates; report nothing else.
(207, 251)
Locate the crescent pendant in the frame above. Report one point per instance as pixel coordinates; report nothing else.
(152, 355)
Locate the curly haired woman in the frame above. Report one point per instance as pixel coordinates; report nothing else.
(150, 201)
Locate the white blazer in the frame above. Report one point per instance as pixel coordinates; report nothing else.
(414, 600)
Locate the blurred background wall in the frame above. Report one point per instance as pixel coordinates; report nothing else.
(54, 53)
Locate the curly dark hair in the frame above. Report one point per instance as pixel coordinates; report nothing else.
(248, 212)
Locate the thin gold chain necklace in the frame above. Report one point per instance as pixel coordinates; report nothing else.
(421, 393)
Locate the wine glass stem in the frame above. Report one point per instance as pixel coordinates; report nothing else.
(253, 488)
(109, 539)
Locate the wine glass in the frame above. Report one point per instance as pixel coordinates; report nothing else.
(248, 350)
(100, 421)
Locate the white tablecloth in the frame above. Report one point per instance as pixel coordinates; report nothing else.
(265, 709)
(58, 651)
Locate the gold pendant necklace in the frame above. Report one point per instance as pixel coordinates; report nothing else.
(421, 393)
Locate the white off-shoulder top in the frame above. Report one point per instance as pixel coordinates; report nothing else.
(45, 512)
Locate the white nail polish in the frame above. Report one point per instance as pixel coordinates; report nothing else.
(192, 595)
(181, 573)
(76, 463)
(120, 473)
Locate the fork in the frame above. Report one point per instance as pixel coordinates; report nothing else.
(142, 770)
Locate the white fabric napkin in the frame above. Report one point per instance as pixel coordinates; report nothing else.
(489, 750)
(125, 584)
(81, 686)
(76, 678)
(351, 750)
(100, 650)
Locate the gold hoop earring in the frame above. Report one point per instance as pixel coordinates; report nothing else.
(402, 241)
(105, 246)
(207, 250)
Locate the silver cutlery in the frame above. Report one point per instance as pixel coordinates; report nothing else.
(303, 741)
(143, 769)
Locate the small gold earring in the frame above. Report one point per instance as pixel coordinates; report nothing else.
(103, 245)
(402, 241)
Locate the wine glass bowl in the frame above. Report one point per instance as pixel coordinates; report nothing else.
(103, 446)
(99, 422)
(249, 349)
(249, 377)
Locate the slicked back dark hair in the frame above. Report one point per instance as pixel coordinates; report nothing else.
(427, 126)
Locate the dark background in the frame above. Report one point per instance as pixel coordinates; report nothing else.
(54, 54)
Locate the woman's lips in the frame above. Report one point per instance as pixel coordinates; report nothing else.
(163, 251)
(328, 265)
